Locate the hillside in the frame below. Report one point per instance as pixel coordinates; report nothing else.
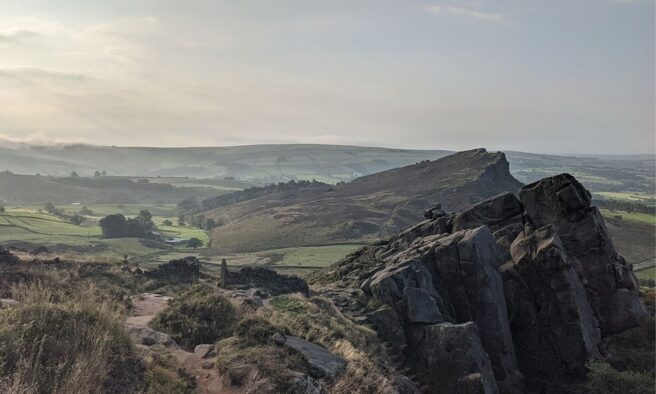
(370, 207)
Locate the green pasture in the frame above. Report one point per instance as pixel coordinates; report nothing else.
(631, 216)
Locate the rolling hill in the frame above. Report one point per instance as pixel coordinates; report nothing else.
(366, 209)
(254, 163)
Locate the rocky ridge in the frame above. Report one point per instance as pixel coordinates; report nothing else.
(505, 294)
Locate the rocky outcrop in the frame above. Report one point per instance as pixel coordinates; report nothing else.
(450, 278)
(553, 327)
(264, 278)
(612, 289)
(185, 270)
(506, 290)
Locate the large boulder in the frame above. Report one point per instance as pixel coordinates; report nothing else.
(554, 329)
(147, 336)
(611, 287)
(322, 362)
(496, 213)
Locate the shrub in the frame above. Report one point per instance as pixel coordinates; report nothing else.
(162, 376)
(605, 379)
(200, 315)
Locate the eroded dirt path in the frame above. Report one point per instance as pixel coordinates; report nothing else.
(146, 307)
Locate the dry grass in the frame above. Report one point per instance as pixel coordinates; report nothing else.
(75, 346)
(316, 319)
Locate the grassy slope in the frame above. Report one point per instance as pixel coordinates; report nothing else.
(633, 235)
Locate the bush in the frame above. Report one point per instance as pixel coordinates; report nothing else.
(200, 315)
(605, 379)
(261, 368)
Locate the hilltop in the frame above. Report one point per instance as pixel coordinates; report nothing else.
(370, 207)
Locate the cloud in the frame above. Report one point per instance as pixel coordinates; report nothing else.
(16, 36)
(464, 12)
(37, 138)
(29, 74)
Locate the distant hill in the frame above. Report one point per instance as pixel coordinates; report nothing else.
(31, 189)
(254, 163)
(265, 164)
(363, 210)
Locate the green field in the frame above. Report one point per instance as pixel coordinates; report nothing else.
(30, 224)
(628, 196)
(309, 256)
(631, 216)
(27, 224)
(647, 273)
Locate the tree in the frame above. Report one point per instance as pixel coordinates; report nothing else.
(113, 226)
(76, 219)
(209, 224)
(2, 209)
(74, 175)
(85, 211)
(117, 226)
(189, 204)
(146, 220)
(167, 222)
(50, 208)
(194, 243)
(96, 174)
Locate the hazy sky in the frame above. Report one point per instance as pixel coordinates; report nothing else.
(534, 75)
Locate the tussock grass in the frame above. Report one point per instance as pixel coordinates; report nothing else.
(316, 319)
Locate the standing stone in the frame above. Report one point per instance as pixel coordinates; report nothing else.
(224, 273)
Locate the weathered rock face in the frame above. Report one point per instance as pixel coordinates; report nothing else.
(611, 287)
(553, 327)
(455, 359)
(449, 278)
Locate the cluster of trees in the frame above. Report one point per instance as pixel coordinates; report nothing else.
(53, 210)
(192, 205)
(118, 226)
